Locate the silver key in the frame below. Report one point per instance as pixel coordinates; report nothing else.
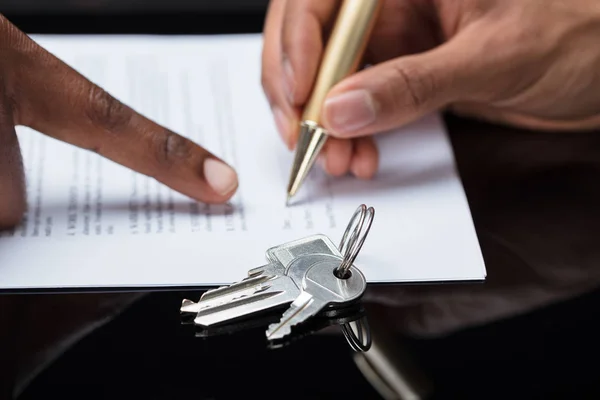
(320, 287)
(279, 256)
(265, 288)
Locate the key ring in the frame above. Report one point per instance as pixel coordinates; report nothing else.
(350, 245)
(360, 341)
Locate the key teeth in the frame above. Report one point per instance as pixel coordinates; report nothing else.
(253, 273)
(234, 298)
(260, 301)
(242, 286)
(215, 290)
(185, 304)
(279, 329)
(241, 296)
(284, 326)
(282, 332)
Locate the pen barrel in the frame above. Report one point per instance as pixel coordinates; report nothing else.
(343, 52)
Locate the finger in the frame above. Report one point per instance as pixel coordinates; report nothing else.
(337, 154)
(54, 99)
(365, 160)
(285, 116)
(12, 182)
(304, 24)
(402, 90)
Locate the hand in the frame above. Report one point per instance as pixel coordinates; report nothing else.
(39, 91)
(531, 64)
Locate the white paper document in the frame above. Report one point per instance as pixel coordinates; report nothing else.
(92, 223)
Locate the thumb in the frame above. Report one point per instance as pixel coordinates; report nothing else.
(401, 90)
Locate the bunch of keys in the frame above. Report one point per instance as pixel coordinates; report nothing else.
(311, 277)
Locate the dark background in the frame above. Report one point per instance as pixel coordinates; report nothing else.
(130, 6)
(145, 353)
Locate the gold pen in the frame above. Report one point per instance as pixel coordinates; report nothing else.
(341, 58)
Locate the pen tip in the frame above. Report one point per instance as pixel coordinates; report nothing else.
(287, 200)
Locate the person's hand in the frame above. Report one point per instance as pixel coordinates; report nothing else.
(39, 91)
(533, 64)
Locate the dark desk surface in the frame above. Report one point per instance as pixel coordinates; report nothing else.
(539, 189)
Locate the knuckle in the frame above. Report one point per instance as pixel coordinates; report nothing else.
(172, 148)
(301, 44)
(414, 86)
(105, 111)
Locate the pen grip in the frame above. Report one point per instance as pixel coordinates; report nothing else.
(343, 51)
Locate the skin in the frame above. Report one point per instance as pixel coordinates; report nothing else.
(39, 91)
(428, 55)
(528, 65)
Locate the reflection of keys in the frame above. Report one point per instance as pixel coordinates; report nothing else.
(267, 287)
(339, 316)
(319, 288)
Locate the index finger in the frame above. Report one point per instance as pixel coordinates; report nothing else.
(293, 42)
(53, 98)
(305, 25)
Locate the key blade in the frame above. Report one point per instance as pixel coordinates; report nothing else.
(188, 307)
(186, 304)
(226, 294)
(300, 310)
(281, 292)
(257, 279)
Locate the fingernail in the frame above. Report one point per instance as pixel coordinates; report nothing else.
(220, 176)
(350, 111)
(281, 123)
(288, 80)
